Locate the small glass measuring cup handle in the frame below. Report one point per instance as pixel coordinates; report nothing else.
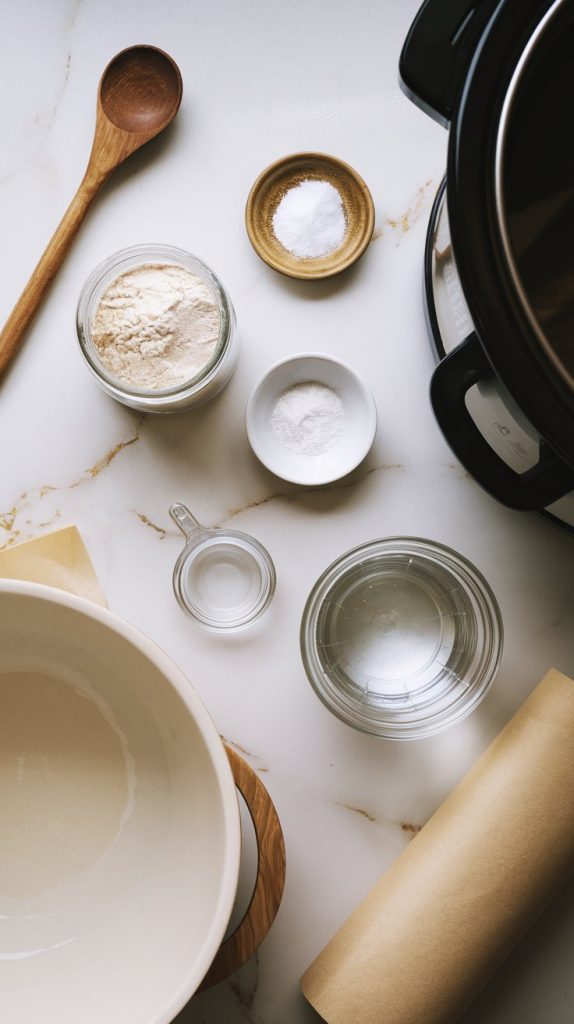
(187, 523)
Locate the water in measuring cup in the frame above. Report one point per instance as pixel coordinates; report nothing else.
(222, 581)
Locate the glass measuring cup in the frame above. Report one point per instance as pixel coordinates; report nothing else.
(223, 578)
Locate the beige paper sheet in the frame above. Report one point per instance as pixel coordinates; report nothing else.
(58, 559)
(440, 921)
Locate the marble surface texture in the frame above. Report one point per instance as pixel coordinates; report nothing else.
(263, 79)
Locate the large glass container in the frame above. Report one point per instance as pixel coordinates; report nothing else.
(401, 637)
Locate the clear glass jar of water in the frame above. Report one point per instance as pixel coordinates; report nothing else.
(401, 637)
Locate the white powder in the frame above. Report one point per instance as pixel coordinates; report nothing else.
(156, 326)
(308, 418)
(310, 220)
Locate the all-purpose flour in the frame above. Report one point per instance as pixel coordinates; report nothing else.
(156, 326)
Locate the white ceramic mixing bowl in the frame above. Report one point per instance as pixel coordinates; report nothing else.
(120, 845)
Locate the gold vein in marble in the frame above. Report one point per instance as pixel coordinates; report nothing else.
(256, 503)
(400, 225)
(407, 826)
(152, 526)
(246, 997)
(359, 810)
(105, 460)
(35, 494)
(293, 494)
(51, 520)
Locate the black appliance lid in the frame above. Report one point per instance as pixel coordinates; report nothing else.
(492, 118)
(535, 184)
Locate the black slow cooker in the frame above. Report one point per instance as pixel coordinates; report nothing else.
(499, 260)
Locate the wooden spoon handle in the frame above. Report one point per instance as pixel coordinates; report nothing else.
(249, 934)
(25, 309)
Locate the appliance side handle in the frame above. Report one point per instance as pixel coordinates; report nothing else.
(546, 482)
(438, 51)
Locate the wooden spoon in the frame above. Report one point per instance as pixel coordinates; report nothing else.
(139, 95)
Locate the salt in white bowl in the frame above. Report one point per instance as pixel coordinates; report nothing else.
(360, 424)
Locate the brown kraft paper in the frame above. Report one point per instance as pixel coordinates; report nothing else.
(431, 933)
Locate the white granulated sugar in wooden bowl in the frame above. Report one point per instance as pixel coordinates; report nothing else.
(310, 220)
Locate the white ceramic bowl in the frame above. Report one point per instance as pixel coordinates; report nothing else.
(120, 844)
(360, 423)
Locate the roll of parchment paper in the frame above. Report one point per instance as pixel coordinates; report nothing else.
(431, 933)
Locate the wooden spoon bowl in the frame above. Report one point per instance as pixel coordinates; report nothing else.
(140, 90)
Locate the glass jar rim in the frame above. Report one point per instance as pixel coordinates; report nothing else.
(149, 253)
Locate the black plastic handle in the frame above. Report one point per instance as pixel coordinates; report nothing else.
(438, 51)
(546, 482)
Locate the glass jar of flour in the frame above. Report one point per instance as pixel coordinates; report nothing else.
(157, 329)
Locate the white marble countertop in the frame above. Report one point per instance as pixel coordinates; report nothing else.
(263, 79)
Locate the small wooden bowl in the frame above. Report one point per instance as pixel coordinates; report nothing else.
(267, 193)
